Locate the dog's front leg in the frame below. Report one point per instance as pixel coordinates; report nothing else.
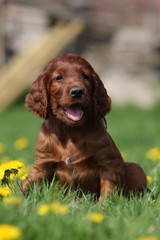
(35, 175)
(106, 189)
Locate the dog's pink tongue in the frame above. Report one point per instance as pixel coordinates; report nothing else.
(74, 113)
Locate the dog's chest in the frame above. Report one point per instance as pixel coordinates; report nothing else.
(87, 180)
(77, 177)
(74, 171)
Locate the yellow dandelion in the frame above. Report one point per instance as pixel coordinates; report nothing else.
(43, 209)
(12, 176)
(21, 143)
(12, 200)
(12, 166)
(23, 172)
(9, 232)
(58, 208)
(2, 148)
(5, 191)
(153, 154)
(148, 238)
(149, 179)
(1, 174)
(55, 207)
(95, 217)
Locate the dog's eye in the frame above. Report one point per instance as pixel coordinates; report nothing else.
(59, 77)
(85, 76)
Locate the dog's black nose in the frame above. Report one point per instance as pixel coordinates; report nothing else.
(76, 92)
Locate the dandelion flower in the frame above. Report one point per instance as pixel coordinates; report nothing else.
(21, 143)
(95, 217)
(149, 179)
(2, 148)
(58, 208)
(23, 172)
(9, 232)
(1, 174)
(55, 207)
(12, 166)
(5, 191)
(43, 209)
(148, 238)
(153, 154)
(12, 200)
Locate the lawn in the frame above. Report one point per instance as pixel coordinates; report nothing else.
(48, 214)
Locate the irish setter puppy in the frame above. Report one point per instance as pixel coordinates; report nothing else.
(73, 144)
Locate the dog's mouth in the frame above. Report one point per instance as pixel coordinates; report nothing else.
(74, 113)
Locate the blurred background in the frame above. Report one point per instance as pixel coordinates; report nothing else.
(121, 40)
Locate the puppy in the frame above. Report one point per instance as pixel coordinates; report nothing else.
(73, 144)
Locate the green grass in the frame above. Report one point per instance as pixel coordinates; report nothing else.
(135, 131)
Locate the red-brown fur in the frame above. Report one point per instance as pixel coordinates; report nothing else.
(80, 152)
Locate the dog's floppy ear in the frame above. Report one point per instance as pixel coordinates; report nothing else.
(102, 102)
(37, 99)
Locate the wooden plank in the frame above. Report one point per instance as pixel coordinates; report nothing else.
(19, 73)
(2, 54)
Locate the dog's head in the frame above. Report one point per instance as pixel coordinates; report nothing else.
(69, 88)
